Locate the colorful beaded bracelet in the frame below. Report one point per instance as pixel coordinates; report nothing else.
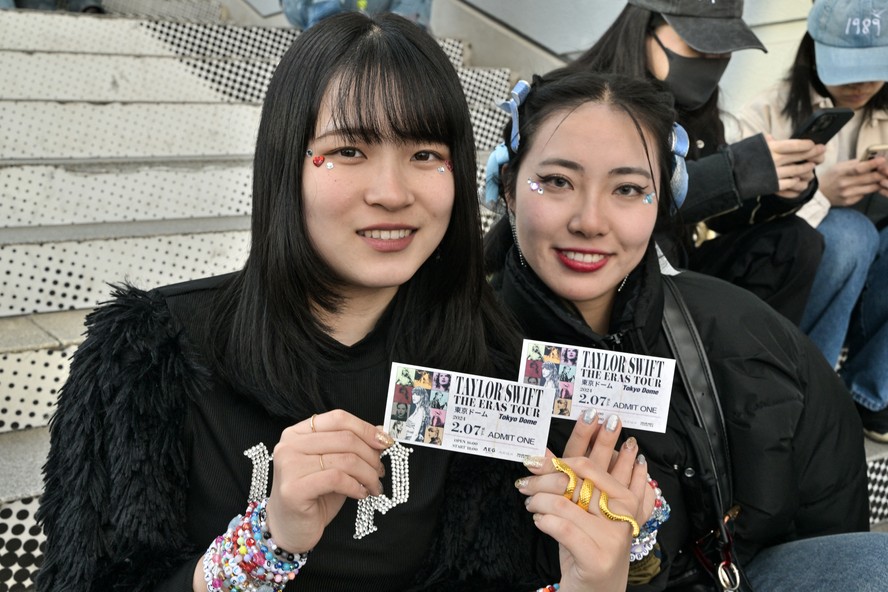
(246, 558)
(549, 588)
(647, 537)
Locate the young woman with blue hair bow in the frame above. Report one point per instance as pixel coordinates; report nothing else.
(590, 175)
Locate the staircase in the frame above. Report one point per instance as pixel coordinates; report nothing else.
(126, 143)
(126, 146)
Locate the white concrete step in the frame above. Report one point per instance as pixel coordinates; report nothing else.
(200, 11)
(113, 191)
(46, 76)
(62, 32)
(34, 353)
(33, 130)
(83, 130)
(76, 273)
(48, 193)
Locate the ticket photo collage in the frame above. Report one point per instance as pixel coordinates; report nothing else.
(554, 369)
(419, 405)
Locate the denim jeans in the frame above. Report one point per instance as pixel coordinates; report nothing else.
(866, 370)
(855, 562)
(850, 244)
(305, 13)
(71, 5)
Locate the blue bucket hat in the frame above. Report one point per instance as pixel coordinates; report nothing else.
(850, 40)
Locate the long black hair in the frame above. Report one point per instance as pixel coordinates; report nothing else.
(393, 82)
(802, 77)
(622, 50)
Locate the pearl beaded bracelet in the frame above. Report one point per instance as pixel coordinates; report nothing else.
(647, 537)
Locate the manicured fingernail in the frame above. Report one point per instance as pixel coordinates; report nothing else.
(384, 438)
(630, 443)
(589, 416)
(641, 460)
(534, 462)
(537, 517)
(527, 501)
(522, 482)
(611, 425)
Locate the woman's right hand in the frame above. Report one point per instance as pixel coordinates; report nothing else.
(593, 549)
(315, 470)
(795, 161)
(846, 183)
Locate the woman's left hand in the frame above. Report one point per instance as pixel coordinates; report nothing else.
(593, 549)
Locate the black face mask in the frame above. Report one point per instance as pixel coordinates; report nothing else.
(692, 80)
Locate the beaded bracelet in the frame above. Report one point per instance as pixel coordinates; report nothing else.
(647, 537)
(246, 558)
(549, 588)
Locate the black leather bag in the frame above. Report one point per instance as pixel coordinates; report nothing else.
(717, 568)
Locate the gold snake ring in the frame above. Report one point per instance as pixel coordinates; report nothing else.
(586, 494)
(602, 504)
(562, 467)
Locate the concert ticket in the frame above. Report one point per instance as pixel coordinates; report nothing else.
(636, 387)
(467, 413)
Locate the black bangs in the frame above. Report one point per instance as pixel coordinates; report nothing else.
(384, 92)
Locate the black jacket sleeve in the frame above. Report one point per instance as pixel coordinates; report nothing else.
(116, 475)
(736, 187)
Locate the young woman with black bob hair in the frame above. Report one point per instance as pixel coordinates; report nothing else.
(586, 187)
(744, 191)
(366, 249)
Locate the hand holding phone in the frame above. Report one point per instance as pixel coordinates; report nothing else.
(823, 124)
(847, 182)
(874, 151)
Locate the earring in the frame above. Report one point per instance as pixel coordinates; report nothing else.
(649, 198)
(515, 238)
(534, 186)
(623, 283)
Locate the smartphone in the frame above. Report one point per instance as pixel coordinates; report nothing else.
(874, 151)
(823, 124)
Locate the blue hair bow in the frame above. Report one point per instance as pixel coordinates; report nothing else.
(518, 94)
(679, 181)
(497, 159)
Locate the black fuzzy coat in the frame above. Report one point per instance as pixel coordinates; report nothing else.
(117, 475)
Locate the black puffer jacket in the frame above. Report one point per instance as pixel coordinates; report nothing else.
(797, 455)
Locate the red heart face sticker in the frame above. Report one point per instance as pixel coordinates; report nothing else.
(317, 161)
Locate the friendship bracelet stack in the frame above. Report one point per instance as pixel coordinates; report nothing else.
(647, 537)
(549, 588)
(246, 559)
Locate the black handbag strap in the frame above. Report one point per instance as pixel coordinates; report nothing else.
(693, 367)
